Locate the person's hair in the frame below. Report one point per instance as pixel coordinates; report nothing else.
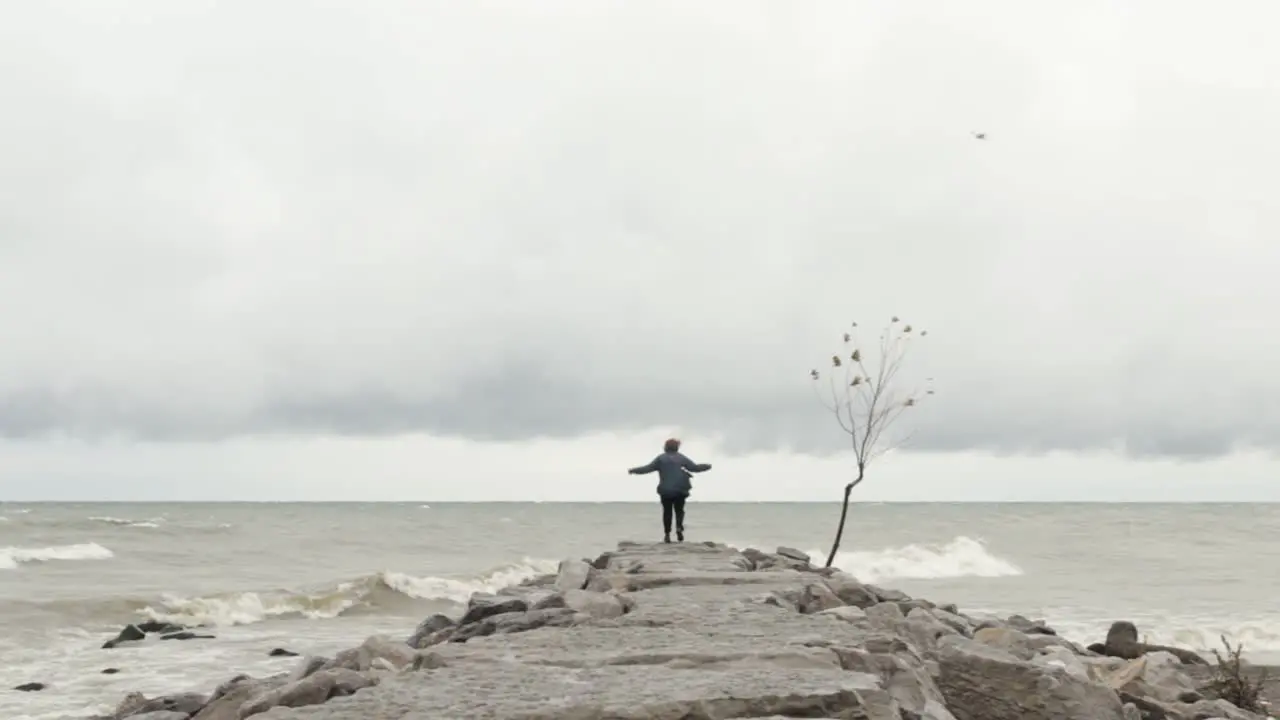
(671, 445)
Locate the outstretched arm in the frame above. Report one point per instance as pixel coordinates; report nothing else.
(643, 469)
(692, 466)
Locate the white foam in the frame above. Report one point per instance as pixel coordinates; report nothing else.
(11, 557)
(437, 588)
(252, 607)
(125, 522)
(961, 557)
(1259, 635)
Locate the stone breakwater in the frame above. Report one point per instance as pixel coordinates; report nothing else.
(708, 632)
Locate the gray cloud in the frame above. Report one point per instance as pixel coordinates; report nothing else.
(498, 222)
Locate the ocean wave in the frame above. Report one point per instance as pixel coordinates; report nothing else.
(11, 557)
(961, 557)
(380, 592)
(126, 522)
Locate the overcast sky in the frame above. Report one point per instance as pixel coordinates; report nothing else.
(500, 250)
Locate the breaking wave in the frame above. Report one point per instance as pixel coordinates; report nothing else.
(382, 592)
(961, 557)
(12, 557)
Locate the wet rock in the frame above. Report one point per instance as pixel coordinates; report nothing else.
(129, 634)
(428, 627)
(137, 704)
(31, 687)
(160, 628)
(281, 652)
(482, 606)
(509, 623)
(1122, 642)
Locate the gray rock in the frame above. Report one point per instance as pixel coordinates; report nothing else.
(572, 575)
(313, 690)
(594, 604)
(136, 704)
(161, 715)
(548, 602)
(1029, 627)
(793, 554)
(850, 591)
(130, 634)
(1157, 675)
(482, 606)
(981, 682)
(428, 627)
(229, 697)
(905, 677)
(815, 597)
(887, 595)
(510, 623)
(1122, 642)
(886, 610)
(31, 687)
(958, 622)
(847, 613)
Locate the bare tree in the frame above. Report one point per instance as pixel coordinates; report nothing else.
(866, 398)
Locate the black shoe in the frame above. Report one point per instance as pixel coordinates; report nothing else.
(680, 535)
(666, 538)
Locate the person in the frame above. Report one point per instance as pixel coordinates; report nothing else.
(674, 471)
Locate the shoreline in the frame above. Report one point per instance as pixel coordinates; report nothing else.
(702, 630)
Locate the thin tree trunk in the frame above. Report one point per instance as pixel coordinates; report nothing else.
(844, 513)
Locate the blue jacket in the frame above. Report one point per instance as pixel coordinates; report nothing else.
(673, 481)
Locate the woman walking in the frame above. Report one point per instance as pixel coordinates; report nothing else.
(673, 470)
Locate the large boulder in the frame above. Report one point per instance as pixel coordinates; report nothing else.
(1156, 675)
(904, 676)
(1122, 642)
(428, 627)
(377, 652)
(573, 575)
(981, 682)
(850, 591)
(482, 606)
(312, 690)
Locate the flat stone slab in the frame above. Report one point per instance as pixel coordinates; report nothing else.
(516, 691)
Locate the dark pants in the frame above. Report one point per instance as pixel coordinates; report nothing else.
(670, 505)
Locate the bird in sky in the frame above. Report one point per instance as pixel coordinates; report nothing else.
(980, 135)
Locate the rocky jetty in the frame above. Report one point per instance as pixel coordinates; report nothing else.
(707, 632)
